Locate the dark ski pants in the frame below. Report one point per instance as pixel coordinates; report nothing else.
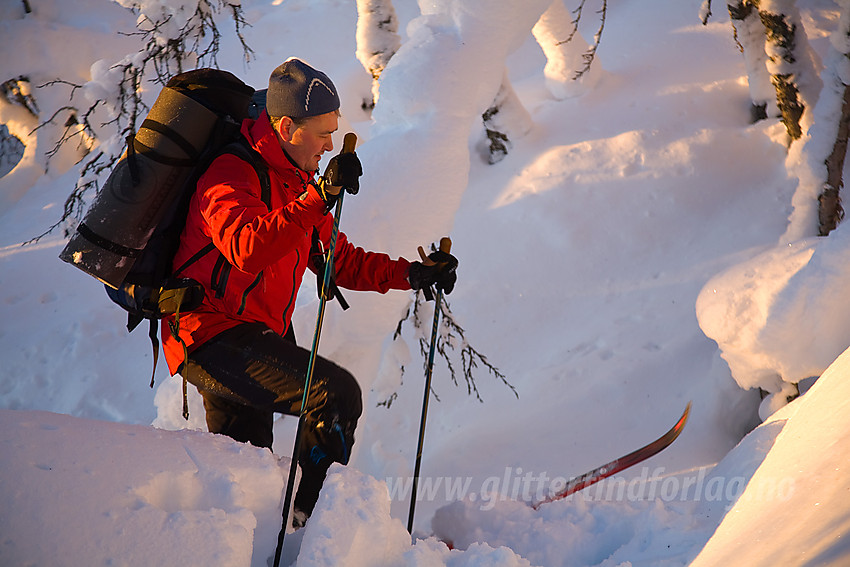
(247, 373)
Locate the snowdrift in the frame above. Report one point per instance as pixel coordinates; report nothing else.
(781, 317)
(82, 492)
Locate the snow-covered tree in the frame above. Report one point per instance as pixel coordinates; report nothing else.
(750, 34)
(818, 161)
(569, 71)
(790, 62)
(815, 109)
(11, 150)
(16, 92)
(377, 39)
(835, 105)
(777, 52)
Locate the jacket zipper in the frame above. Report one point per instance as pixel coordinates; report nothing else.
(294, 291)
(247, 291)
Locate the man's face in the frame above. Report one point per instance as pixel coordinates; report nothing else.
(305, 144)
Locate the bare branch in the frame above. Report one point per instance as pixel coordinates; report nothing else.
(196, 44)
(590, 54)
(578, 11)
(450, 340)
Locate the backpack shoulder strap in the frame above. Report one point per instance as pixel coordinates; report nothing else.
(243, 150)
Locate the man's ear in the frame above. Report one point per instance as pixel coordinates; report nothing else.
(286, 128)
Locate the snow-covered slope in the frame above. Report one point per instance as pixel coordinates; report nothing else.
(77, 491)
(794, 508)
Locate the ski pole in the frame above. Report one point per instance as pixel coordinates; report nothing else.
(347, 147)
(445, 246)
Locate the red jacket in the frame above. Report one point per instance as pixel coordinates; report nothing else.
(268, 250)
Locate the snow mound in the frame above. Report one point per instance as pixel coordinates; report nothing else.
(352, 521)
(352, 526)
(780, 317)
(82, 492)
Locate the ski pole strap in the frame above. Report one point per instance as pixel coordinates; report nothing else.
(174, 326)
(155, 346)
(319, 258)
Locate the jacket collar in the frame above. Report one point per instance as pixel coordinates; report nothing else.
(263, 139)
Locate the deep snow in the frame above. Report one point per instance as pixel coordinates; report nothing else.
(628, 217)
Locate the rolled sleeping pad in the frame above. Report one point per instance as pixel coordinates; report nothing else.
(141, 187)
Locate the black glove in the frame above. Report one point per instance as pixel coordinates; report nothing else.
(441, 272)
(344, 170)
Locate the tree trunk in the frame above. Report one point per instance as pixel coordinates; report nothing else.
(830, 211)
(791, 63)
(781, 42)
(817, 208)
(377, 39)
(750, 36)
(835, 161)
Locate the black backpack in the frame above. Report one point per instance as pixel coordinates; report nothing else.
(131, 231)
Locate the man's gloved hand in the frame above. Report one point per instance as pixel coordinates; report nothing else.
(343, 171)
(438, 269)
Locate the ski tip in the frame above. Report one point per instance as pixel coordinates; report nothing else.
(683, 420)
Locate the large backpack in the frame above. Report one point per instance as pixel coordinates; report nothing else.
(131, 231)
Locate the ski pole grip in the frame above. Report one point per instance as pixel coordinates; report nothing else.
(445, 246)
(349, 143)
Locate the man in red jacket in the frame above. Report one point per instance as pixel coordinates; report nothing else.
(242, 355)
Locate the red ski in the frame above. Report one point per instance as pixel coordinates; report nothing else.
(621, 464)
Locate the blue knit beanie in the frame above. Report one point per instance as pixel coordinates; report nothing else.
(300, 91)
